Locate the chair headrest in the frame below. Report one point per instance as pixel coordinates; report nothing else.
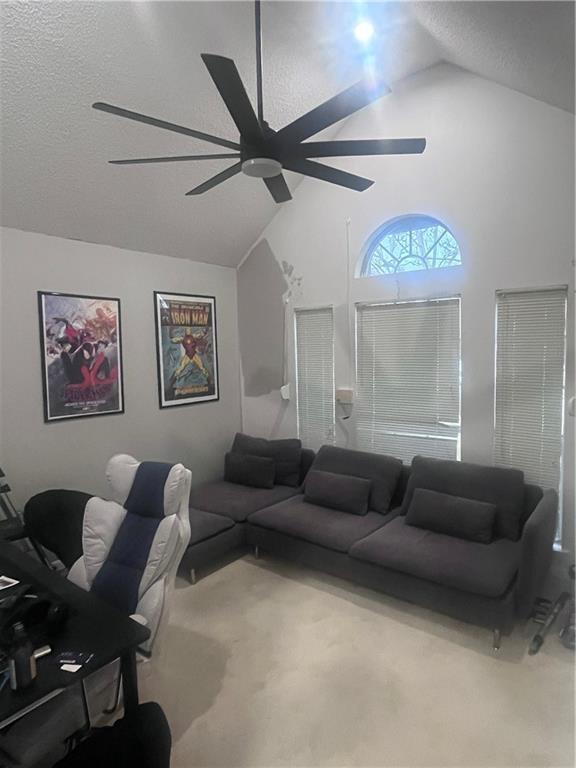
(147, 488)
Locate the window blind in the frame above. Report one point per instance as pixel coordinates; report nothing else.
(315, 375)
(529, 401)
(408, 378)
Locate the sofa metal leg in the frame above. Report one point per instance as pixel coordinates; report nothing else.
(496, 639)
(192, 576)
(256, 551)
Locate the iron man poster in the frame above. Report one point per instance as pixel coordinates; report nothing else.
(186, 347)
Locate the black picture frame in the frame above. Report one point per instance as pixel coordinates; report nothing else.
(199, 335)
(71, 388)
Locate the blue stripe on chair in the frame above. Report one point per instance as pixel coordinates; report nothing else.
(118, 580)
(146, 496)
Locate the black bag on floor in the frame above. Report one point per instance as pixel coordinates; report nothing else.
(139, 740)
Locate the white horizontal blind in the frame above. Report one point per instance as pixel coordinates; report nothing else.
(529, 402)
(315, 375)
(408, 378)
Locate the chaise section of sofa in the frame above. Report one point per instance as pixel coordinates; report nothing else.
(211, 537)
(219, 509)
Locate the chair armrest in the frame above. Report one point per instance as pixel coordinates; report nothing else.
(537, 547)
(77, 574)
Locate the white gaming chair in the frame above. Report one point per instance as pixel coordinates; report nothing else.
(132, 545)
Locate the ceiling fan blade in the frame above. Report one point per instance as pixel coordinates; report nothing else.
(360, 147)
(326, 173)
(337, 108)
(227, 79)
(163, 124)
(278, 188)
(172, 159)
(215, 180)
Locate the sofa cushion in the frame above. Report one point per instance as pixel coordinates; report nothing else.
(452, 515)
(340, 492)
(205, 525)
(243, 469)
(236, 501)
(482, 569)
(286, 455)
(382, 471)
(495, 485)
(318, 525)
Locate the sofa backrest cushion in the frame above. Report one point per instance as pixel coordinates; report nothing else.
(452, 515)
(341, 492)
(496, 485)
(382, 471)
(253, 471)
(286, 455)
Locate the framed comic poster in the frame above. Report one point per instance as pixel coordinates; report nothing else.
(187, 349)
(80, 342)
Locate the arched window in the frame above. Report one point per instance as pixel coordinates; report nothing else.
(408, 244)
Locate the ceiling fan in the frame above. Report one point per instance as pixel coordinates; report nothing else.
(263, 152)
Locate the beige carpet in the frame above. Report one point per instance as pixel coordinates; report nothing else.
(269, 664)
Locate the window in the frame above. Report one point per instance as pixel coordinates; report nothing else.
(315, 375)
(529, 402)
(408, 378)
(408, 244)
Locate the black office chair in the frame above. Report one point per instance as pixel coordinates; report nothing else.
(53, 520)
(139, 740)
(11, 528)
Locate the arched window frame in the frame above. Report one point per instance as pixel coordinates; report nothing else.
(387, 229)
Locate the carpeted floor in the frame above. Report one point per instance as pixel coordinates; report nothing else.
(269, 664)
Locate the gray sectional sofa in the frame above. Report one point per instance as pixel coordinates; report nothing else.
(474, 542)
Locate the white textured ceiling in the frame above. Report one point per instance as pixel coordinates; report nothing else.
(60, 57)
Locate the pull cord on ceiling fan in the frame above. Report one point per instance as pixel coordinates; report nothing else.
(263, 152)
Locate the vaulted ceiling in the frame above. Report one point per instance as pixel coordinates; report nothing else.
(60, 57)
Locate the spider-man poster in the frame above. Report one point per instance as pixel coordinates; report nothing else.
(81, 355)
(186, 345)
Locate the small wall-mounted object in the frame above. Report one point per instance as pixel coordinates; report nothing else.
(345, 399)
(344, 395)
(285, 392)
(572, 406)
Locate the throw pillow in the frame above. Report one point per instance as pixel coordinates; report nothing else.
(496, 485)
(255, 471)
(383, 472)
(341, 492)
(452, 515)
(286, 455)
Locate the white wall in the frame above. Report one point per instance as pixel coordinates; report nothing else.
(73, 454)
(498, 170)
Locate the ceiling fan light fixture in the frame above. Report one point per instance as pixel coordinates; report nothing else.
(364, 31)
(261, 167)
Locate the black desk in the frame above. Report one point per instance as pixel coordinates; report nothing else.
(93, 626)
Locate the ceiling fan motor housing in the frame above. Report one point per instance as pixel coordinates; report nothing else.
(261, 167)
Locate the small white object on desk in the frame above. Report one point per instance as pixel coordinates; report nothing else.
(70, 667)
(6, 582)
